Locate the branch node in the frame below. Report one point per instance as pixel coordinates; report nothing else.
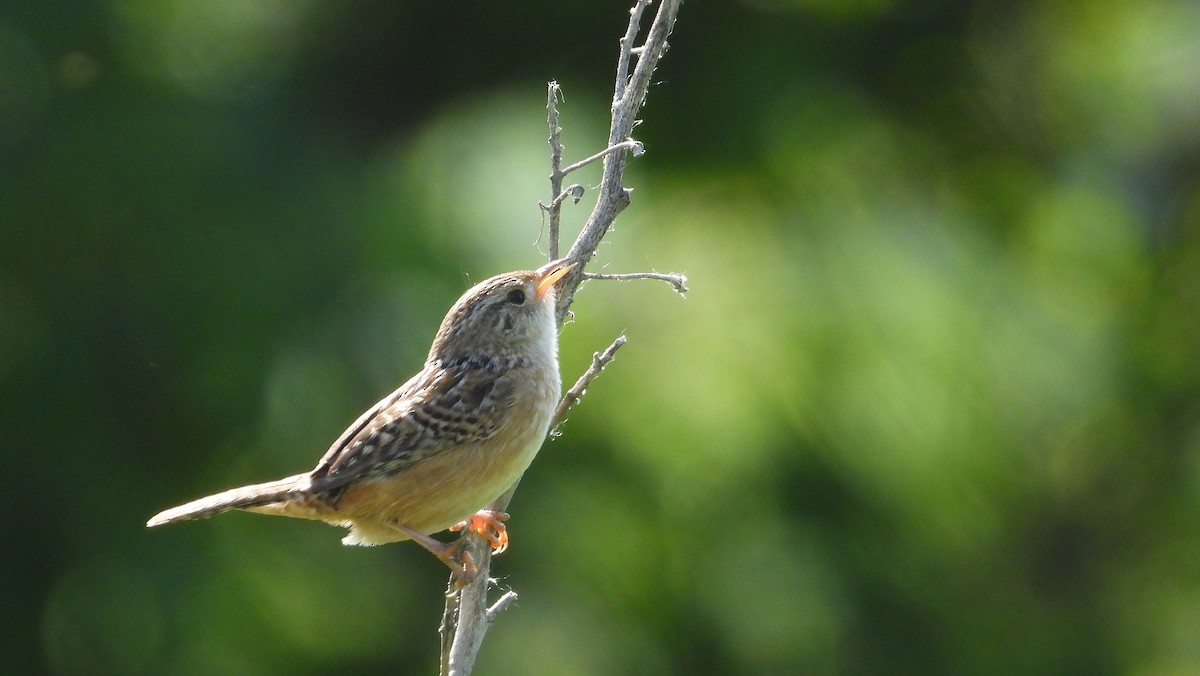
(573, 191)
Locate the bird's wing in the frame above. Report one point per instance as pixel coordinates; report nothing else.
(443, 406)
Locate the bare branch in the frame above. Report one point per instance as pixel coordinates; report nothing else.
(447, 629)
(469, 619)
(506, 599)
(573, 395)
(630, 93)
(556, 174)
(630, 144)
(648, 55)
(467, 616)
(674, 279)
(628, 50)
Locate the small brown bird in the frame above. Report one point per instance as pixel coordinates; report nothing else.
(446, 443)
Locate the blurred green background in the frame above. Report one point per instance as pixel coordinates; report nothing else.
(932, 405)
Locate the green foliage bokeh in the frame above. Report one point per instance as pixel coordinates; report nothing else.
(931, 406)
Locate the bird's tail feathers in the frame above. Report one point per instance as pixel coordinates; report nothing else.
(234, 498)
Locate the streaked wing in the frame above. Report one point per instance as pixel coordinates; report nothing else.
(438, 409)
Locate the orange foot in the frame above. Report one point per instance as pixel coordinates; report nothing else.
(489, 524)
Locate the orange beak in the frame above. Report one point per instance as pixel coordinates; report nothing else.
(550, 273)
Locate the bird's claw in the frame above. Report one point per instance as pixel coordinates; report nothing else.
(488, 524)
(467, 571)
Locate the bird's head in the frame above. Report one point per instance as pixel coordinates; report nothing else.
(507, 315)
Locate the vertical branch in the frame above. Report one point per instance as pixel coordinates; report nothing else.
(556, 172)
(467, 613)
(626, 54)
(629, 95)
(467, 616)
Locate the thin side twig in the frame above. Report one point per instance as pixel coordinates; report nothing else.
(573, 395)
(628, 144)
(506, 599)
(674, 279)
(573, 191)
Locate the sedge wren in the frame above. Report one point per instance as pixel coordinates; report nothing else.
(446, 443)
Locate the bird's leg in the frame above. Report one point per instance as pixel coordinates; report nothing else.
(488, 524)
(454, 554)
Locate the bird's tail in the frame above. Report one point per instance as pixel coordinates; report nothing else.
(234, 498)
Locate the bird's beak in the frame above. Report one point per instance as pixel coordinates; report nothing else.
(550, 273)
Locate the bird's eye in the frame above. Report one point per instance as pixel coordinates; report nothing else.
(516, 297)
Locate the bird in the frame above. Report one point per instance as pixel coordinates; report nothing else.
(433, 454)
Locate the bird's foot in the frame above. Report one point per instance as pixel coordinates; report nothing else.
(488, 524)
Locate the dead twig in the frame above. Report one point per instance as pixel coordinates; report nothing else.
(467, 616)
(573, 395)
(674, 279)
